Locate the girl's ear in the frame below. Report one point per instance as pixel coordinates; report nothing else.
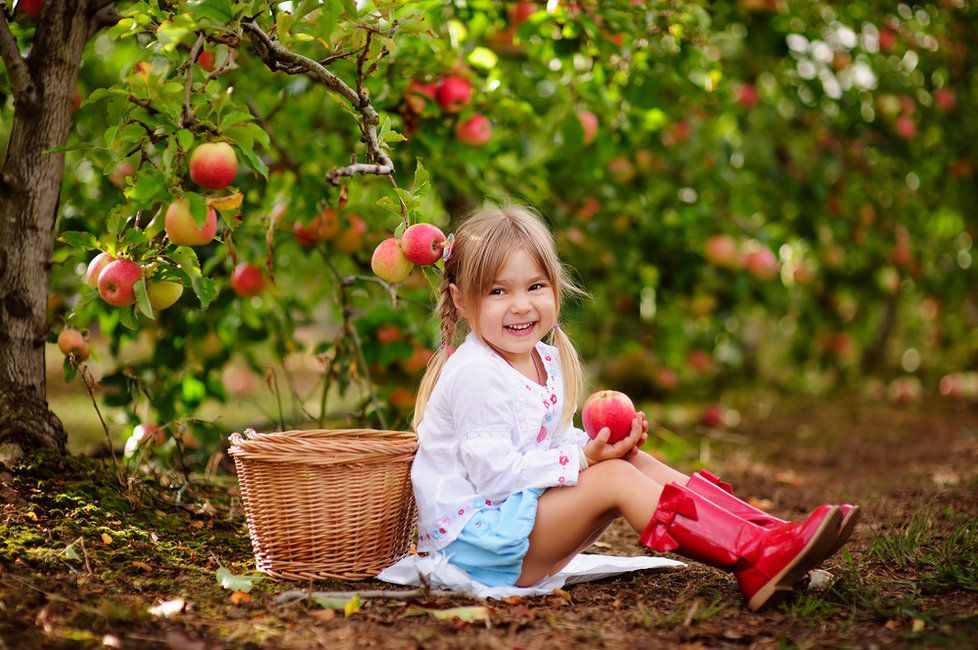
(457, 300)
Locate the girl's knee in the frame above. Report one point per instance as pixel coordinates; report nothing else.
(614, 469)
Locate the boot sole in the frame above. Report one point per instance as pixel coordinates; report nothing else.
(846, 529)
(781, 585)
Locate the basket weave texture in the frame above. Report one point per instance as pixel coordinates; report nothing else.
(327, 503)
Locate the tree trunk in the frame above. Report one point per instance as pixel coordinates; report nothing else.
(30, 184)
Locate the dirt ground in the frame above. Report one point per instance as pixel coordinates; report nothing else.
(908, 578)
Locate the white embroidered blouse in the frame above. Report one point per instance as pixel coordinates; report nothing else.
(488, 432)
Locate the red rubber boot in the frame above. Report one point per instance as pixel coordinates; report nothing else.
(767, 562)
(709, 485)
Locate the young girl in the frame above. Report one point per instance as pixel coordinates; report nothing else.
(510, 491)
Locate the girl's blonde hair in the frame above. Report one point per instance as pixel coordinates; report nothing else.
(483, 242)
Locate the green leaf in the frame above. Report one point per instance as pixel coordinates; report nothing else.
(127, 317)
(205, 288)
(350, 8)
(388, 202)
(75, 239)
(198, 208)
(185, 139)
(483, 57)
(235, 118)
(254, 161)
(421, 177)
(236, 583)
(394, 136)
(142, 298)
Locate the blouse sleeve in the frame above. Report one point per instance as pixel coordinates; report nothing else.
(488, 420)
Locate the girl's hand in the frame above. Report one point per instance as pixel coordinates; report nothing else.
(641, 441)
(600, 449)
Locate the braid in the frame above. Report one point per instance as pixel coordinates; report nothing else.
(448, 317)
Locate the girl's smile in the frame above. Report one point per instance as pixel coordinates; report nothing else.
(517, 311)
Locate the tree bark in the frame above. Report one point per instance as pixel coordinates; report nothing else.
(30, 185)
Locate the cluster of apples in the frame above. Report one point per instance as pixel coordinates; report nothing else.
(724, 251)
(421, 244)
(453, 93)
(213, 166)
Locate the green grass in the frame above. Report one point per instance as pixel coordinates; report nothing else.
(941, 560)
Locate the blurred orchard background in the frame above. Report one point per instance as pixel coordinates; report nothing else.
(764, 197)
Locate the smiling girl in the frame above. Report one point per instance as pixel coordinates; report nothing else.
(510, 491)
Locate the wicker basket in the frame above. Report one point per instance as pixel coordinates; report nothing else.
(327, 503)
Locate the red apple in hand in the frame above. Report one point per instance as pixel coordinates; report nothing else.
(389, 262)
(608, 408)
(183, 230)
(213, 165)
(453, 93)
(116, 282)
(475, 131)
(247, 280)
(421, 243)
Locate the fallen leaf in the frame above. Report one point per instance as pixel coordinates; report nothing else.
(563, 594)
(601, 545)
(111, 641)
(239, 597)
(168, 608)
(788, 477)
(918, 625)
(323, 615)
(70, 552)
(235, 583)
(944, 476)
(467, 614)
(352, 606)
(31, 515)
(524, 611)
(142, 565)
(512, 600)
(763, 504)
(106, 539)
(197, 524)
(892, 624)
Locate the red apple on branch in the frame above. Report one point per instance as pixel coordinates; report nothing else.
(722, 251)
(418, 93)
(31, 8)
(95, 268)
(247, 280)
(453, 93)
(475, 131)
(213, 165)
(762, 264)
(116, 282)
(388, 261)
(206, 60)
(421, 243)
(589, 124)
(350, 239)
(183, 230)
(608, 408)
(71, 341)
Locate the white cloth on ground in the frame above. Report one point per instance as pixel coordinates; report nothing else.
(435, 572)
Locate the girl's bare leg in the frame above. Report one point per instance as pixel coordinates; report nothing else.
(656, 469)
(569, 517)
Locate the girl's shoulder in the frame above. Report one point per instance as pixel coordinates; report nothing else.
(472, 362)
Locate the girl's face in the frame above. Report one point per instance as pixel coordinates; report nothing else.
(519, 309)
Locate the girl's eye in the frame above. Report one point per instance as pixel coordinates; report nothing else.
(496, 292)
(536, 286)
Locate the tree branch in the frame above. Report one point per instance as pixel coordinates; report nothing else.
(105, 15)
(278, 57)
(188, 114)
(20, 76)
